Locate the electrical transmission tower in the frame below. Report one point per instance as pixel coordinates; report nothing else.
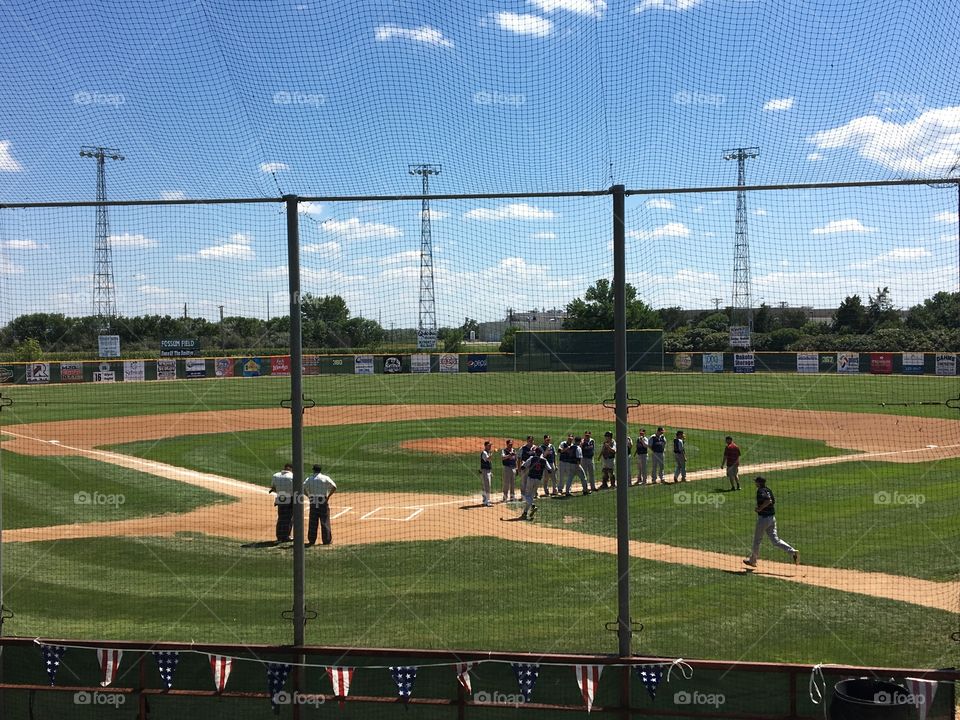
(104, 291)
(741, 314)
(427, 322)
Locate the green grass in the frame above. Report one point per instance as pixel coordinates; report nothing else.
(41, 491)
(368, 457)
(470, 593)
(863, 393)
(828, 513)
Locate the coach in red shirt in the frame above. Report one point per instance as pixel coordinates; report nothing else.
(731, 458)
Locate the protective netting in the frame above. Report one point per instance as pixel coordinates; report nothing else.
(216, 99)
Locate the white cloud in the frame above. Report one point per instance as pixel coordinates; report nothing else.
(946, 217)
(674, 229)
(905, 253)
(8, 163)
(423, 34)
(928, 144)
(814, 156)
(513, 211)
(9, 268)
(129, 240)
(326, 250)
(676, 5)
(438, 214)
(173, 195)
(20, 244)
(658, 204)
(778, 104)
(850, 225)
(153, 290)
(309, 208)
(760, 211)
(543, 236)
(580, 7)
(271, 167)
(231, 251)
(354, 229)
(407, 257)
(524, 24)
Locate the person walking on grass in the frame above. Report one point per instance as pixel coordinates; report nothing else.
(731, 459)
(534, 468)
(767, 523)
(680, 458)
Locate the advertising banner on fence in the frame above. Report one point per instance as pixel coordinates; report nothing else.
(743, 362)
(946, 364)
(713, 362)
(6, 374)
(881, 363)
(166, 369)
(223, 367)
(682, 361)
(420, 363)
(71, 372)
(848, 362)
(913, 363)
(104, 373)
(251, 366)
(195, 367)
(808, 362)
(449, 363)
(38, 373)
(280, 365)
(109, 346)
(739, 336)
(133, 371)
(311, 365)
(426, 339)
(476, 363)
(363, 364)
(392, 365)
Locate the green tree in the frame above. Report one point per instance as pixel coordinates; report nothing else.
(762, 319)
(880, 311)
(940, 311)
(452, 339)
(717, 322)
(851, 316)
(672, 318)
(595, 310)
(509, 340)
(468, 325)
(28, 351)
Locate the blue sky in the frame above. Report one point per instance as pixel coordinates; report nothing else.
(218, 99)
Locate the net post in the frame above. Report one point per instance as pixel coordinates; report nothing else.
(624, 626)
(296, 420)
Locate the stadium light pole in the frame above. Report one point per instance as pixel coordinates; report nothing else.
(104, 289)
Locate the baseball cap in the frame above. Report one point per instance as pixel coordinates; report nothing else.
(317, 468)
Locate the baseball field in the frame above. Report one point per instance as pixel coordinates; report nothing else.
(140, 510)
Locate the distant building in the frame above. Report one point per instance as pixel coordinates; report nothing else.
(542, 319)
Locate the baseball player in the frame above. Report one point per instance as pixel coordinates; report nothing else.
(508, 458)
(767, 523)
(578, 467)
(608, 454)
(549, 476)
(589, 448)
(643, 450)
(526, 451)
(680, 458)
(319, 488)
(731, 458)
(486, 471)
(567, 455)
(658, 444)
(282, 486)
(535, 466)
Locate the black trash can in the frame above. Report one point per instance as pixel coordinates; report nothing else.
(869, 699)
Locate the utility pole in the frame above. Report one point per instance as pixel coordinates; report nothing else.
(223, 337)
(104, 290)
(716, 304)
(427, 321)
(741, 314)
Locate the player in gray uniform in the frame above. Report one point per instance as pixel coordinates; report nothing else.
(508, 458)
(658, 444)
(680, 458)
(576, 454)
(526, 451)
(589, 448)
(534, 467)
(643, 450)
(486, 471)
(550, 474)
(566, 456)
(767, 523)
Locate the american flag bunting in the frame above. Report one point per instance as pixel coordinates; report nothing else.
(404, 677)
(52, 655)
(925, 689)
(109, 661)
(167, 665)
(588, 677)
(463, 675)
(340, 677)
(650, 676)
(221, 666)
(526, 675)
(277, 674)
